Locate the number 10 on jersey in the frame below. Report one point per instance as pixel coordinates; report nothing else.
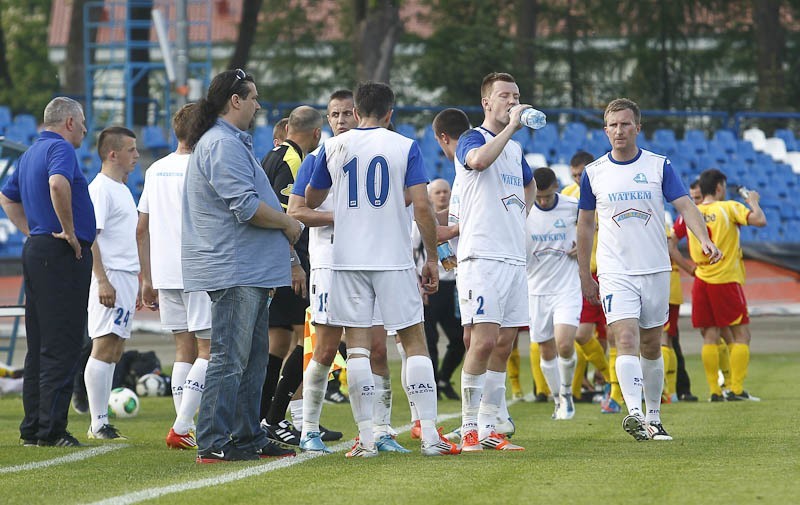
(377, 182)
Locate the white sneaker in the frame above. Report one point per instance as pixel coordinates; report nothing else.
(657, 432)
(506, 427)
(566, 408)
(360, 451)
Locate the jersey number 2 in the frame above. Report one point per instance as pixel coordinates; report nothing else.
(375, 195)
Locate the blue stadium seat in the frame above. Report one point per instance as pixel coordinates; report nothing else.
(663, 135)
(788, 138)
(522, 136)
(717, 153)
(726, 140)
(5, 117)
(27, 121)
(745, 151)
(695, 136)
(262, 141)
(574, 132)
(696, 147)
(406, 130)
(136, 182)
(153, 138)
(548, 134)
(18, 134)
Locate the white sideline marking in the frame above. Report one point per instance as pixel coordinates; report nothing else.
(69, 458)
(156, 492)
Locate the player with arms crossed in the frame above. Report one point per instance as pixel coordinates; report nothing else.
(554, 287)
(369, 168)
(627, 187)
(496, 190)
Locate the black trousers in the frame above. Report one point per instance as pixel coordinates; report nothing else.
(56, 297)
(441, 309)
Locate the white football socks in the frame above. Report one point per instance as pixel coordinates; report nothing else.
(296, 411)
(493, 391)
(362, 397)
(421, 388)
(404, 381)
(382, 409)
(179, 372)
(314, 382)
(566, 368)
(629, 376)
(552, 376)
(98, 390)
(653, 373)
(193, 388)
(471, 392)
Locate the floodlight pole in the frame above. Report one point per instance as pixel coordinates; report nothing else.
(181, 52)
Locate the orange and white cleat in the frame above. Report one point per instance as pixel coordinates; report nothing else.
(361, 451)
(178, 441)
(441, 447)
(416, 430)
(499, 442)
(470, 442)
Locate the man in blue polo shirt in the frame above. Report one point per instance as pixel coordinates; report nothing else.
(47, 198)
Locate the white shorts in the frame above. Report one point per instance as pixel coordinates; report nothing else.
(320, 289)
(354, 296)
(119, 320)
(643, 297)
(181, 311)
(491, 291)
(549, 310)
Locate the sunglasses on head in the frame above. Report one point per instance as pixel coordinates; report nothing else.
(239, 75)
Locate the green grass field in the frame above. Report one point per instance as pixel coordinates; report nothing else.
(723, 453)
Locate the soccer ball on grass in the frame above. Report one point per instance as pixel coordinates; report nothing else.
(151, 384)
(123, 403)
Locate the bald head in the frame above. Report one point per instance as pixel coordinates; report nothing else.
(304, 119)
(439, 193)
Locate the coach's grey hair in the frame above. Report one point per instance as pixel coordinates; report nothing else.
(305, 119)
(59, 109)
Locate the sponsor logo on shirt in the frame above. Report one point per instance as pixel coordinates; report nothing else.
(630, 195)
(513, 201)
(511, 180)
(640, 178)
(287, 190)
(632, 214)
(548, 237)
(560, 223)
(544, 253)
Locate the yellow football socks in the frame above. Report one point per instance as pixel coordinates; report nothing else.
(616, 392)
(725, 361)
(711, 362)
(740, 359)
(581, 364)
(513, 373)
(538, 377)
(670, 370)
(596, 355)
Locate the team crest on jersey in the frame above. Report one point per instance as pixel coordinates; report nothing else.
(560, 223)
(640, 178)
(550, 251)
(513, 201)
(632, 214)
(287, 190)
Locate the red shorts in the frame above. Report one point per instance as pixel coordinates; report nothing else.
(672, 323)
(718, 305)
(594, 314)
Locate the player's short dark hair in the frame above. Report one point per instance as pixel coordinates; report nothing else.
(373, 99)
(110, 139)
(341, 94)
(182, 119)
(544, 177)
(695, 184)
(280, 129)
(453, 122)
(620, 104)
(709, 179)
(491, 78)
(581, 158)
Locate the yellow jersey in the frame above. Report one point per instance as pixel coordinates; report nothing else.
(574, 190)
(723, 220)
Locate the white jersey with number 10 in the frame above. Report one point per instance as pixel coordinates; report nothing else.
(368, 170)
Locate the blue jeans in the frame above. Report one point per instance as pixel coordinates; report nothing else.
(239, 349)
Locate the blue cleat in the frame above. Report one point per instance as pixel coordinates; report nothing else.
(610, 407)
(387, 444)
(312, 442)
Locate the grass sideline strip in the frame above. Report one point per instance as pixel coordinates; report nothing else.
(157, 492)
(69, 458)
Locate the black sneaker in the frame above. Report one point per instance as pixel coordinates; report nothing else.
(28, 442)
(106, 432)
(328, 435)
(65, 440)
(80, 403)
(335, 396)
(743, 396)
(540, 398)
(447, 390)
(283, 433)
(657, 431)
(273, 450)
(716, 398)
(687, 397)
(226, 454)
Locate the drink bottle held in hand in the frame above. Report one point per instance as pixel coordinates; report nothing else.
(446, 256)
(533, 118)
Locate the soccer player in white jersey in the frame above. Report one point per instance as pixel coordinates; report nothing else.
(320, 222)
(115, 269)
(370, 168)
(628, 187)
(553, 286)
(496, 191)
(186, 315)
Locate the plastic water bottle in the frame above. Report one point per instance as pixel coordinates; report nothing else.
(744, 192)
(533, 118)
